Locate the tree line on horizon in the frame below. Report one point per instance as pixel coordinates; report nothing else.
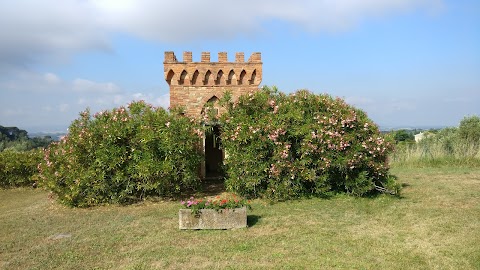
(15, 139)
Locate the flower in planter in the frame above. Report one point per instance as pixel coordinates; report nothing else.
(218, 203)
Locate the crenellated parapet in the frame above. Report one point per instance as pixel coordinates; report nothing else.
(193, 84)
(207, 73)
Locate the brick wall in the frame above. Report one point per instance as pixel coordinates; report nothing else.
(193, 84)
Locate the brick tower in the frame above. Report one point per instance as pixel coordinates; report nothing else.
(193, 84)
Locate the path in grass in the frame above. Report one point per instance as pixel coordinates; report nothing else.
(435, 225)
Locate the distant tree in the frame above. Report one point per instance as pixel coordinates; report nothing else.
(469, 129)
(41, 142)
(13, 138)
(469, 133)
(403, 136)
(13, 133)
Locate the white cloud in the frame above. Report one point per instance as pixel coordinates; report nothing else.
(163, 101)
(44, 99)
(47, 108)
(63, 107)
(187, 20)
(340, 15)
(359, 101)
(118, 99)
(82, 85)
(13, 112)
(138, 96)
(82, 101)
(51, 78)
(49, 83)
(23, 80)
(49, 30)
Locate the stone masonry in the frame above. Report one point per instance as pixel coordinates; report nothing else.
(194, 84)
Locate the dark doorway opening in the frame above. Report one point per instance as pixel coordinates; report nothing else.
(213, 154)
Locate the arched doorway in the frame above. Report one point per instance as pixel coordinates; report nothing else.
(214, 154)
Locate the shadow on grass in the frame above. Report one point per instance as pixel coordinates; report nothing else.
(212, 187)
(252, 220)
(216, 186)
(207, 188)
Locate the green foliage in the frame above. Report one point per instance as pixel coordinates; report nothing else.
(19, 168)
(285, 146)
(469, 132)
(123, 155)
(449, 146)
(13, 138)
(403, 136)
(469, 128)
(13, 133)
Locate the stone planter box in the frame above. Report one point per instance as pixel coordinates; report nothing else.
(213, 219)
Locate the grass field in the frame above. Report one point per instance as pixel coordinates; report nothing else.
(434, 225)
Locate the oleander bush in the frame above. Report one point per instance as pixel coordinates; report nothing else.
(123, 155)
(282, 146)
(19, 168)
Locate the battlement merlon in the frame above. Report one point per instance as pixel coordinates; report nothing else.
(170, 58)
(215, 74)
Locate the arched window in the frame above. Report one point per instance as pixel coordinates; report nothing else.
(207, 80)
(170, 75)
(195, 77)
(242, 77)
(211, 106)
(182, 77)
(220, 78)
(231, 77)
(252, 79)
(212, 100)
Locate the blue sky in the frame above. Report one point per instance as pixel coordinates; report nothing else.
(407, 63)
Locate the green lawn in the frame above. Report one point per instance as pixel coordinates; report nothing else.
(435, 225)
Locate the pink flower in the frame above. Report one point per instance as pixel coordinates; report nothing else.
(275, 109)
(273, 137)
(274, 170)
(198, 132)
